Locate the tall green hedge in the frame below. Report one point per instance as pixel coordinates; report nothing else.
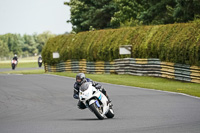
(178, 43)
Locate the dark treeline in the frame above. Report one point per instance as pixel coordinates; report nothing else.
(11, 44)
(100, 14)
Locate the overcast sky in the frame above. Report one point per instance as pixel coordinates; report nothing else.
(34, 16)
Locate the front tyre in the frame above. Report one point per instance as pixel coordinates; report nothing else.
(13, 66)
(97, 111)
(40, 64)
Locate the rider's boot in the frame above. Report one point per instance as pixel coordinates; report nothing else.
(108, 98)
(109, 101)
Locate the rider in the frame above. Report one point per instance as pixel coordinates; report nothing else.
(39, 58)
(80, 79)
(15, 57)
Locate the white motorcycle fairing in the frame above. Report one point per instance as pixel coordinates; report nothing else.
(95, 100)
(14, 62)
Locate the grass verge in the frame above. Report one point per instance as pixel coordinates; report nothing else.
(144, 82)
(38, 71)
(156, 83)
(20, 65)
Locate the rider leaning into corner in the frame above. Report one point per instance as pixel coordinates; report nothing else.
(80, 79)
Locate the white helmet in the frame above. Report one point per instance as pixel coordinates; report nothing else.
(15, 55)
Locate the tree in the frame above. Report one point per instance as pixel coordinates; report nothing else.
(128, 12)
(158, 12)
(23, 45)
(186, 10)
(95, 13)
(41, 39)
(134, 12)
(4, 51)
(29, 44)
(12, 42)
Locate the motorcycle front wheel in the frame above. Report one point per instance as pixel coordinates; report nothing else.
(39, 64)
(97, 111)
(13, 66)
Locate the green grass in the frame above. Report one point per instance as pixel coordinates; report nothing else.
(38, 71)
(144, 82)
(129, 80)
(20, 65)
(28, 62)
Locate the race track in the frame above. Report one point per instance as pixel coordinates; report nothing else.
(44, 104)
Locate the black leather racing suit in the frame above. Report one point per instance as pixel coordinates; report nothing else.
(15, 58)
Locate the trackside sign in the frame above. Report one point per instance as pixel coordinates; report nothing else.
(56, 55)
(125, 49)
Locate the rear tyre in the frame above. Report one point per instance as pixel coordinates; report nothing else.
(97, 111)
(110, 113)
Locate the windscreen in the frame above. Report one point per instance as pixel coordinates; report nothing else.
(84, 86)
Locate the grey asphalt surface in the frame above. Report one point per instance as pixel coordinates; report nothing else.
(44, 104)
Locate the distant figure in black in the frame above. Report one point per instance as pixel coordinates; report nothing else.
(40, 61)
(15, 57)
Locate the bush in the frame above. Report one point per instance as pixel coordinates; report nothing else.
(177, 43)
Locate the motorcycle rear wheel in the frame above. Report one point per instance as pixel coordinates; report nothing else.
(110, 113)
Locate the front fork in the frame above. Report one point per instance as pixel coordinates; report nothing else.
(93, 101)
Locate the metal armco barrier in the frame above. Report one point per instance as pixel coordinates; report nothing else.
(132, 66)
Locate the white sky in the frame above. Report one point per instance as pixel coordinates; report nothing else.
(34, 16)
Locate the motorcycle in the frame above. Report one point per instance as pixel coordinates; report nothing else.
(95, 101)
(13, 64)
(40, 62)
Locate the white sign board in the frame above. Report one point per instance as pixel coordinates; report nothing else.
(56, 55)
(126, 49)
